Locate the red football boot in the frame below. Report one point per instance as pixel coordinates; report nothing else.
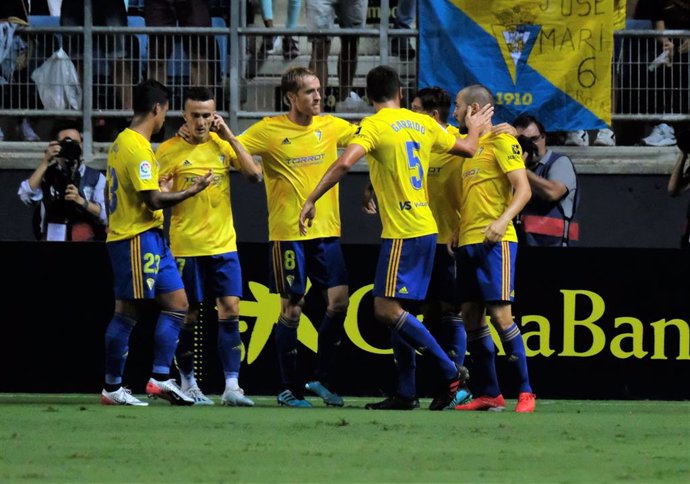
(484, 403)
(526, 402)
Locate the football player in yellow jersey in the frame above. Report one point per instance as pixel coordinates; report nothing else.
(494, 190)
(296, 150)
(398, 143)
(441, 310)
(441, 316)
(206, 253)
(143, 267)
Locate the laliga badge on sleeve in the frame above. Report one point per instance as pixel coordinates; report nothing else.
(56, 232)
(145, 170)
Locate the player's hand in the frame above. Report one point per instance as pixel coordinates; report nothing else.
(452, 244)
(306, 216)
(201, 183)
(72, 195)
(219, 126)
(494, 232)
(504, 128)
(165, 183)
(368, 202)
(184, 133)
(480, 120)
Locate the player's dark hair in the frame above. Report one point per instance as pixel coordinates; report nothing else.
(292, 80)
(198, 93)
(64, 125)
(524, 120)
(383, 84)
(147, 94)
(435, 98)
(479, 94)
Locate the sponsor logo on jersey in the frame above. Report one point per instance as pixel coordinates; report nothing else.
(187, 163)
(406, 205)
(306, 160)
(286, 141)
(403, 290)
(469, 173)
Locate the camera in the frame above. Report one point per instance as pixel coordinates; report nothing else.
(529, 148)
(59, 176)
(70, 150)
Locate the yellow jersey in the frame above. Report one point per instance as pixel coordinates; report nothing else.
(132, 168)
(444, 190)
(486, 190)
(398, 143)
(203, 224)
(294, 160)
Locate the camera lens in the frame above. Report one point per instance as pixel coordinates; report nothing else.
(70, 150)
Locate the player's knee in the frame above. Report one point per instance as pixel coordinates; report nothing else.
(338, 306)
(229, 311)
(293, 311)
(385, 313)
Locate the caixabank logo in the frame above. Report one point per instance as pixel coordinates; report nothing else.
(583, 330)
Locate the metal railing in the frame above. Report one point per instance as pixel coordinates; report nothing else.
(245, 80)
(647, 85)
(246, 77)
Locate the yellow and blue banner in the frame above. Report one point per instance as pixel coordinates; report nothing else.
(551, 58)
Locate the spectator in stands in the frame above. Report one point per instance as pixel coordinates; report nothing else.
(185, 13)
(271, 44)
(605, 136)
(548, 218)
(672, 65)
(679, 181)
(320, 15)
(14, 13)
(69, 196)
(405, 14)
(110, 13)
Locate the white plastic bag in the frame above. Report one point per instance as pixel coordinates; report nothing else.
(57, 82)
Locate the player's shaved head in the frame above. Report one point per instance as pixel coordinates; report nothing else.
(478, 94)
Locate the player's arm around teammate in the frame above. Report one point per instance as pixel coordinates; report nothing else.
(143, 267)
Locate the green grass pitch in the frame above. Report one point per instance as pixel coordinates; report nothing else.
(71, 438)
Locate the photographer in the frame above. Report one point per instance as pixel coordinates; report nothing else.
(548, 218)
(679, 181)
(70, 196)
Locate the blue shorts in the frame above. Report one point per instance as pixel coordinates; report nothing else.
(321, 260)
(211, 276)
(404, 267)
(486, 272)
(143, 266)
(442, 286)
